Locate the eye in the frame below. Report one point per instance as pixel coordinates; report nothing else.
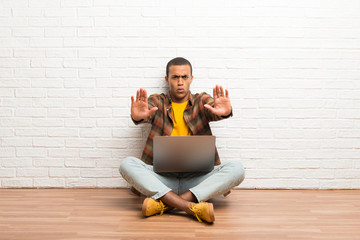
(175, 77)
(185, 77)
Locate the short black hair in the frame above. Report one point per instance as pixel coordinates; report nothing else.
(177, 61)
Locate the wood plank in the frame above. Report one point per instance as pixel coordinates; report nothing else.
(68, 214)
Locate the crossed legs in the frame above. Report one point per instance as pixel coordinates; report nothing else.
(196, 188)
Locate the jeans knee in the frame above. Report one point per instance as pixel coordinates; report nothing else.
(238, 171)
(126, 165)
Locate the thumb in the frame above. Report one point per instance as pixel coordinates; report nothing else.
(210, 108)
(152, 110)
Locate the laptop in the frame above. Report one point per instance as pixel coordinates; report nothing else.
(183, 153)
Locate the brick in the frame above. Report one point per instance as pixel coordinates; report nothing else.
(31, 152)
(78, 3)
(80, 163)
(49, 183)
(60, 32)
(96, 173)
(64, 172)
(79, 83)
(32, 172)
(63, 93)
(81, 123)
(63, 52)
(49, 162)
(63, 153)
(7, 172)
(30, 112)
(4, 32)
(16, 142)
(59, 73)
(93, 12)
(102, 73)
(95, 112)
(48, 142)
(63, 132)
(44, 3)
(80, 182)
(78, 42)
(30, 132)
(17, 183)
(17, 162)
(109, 122)
(60, 12)
(28, 32)
(79, 103)
(21, 63)
(30, 92)
(80, 143)
(79, 63)
(4, 52)
(33, 53)
(93, 32)
(106, 163)
(29, 72)
(46, 42)
(94, 153)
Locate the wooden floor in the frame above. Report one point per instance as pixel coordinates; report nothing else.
(77, 214)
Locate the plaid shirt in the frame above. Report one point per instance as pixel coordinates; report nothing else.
(196, 116)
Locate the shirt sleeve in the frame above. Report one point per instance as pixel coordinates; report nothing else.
(207, 99)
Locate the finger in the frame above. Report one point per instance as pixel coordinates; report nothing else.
(214, 93)
(226, 93)
(141, 94)
(152, 110)
(211, 109)
(217, 91)
(137, 95)
(221, 91)
(145, 96)
(132, 100)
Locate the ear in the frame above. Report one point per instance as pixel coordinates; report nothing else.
(192, 77)
(167, 79)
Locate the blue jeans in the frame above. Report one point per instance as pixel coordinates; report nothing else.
(203, 185)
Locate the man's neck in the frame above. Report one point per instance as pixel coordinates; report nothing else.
(182, 100)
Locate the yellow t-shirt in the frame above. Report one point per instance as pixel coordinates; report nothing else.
(180, 126)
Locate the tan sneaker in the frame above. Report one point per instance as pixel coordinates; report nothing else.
(151, 207)
(204, 211)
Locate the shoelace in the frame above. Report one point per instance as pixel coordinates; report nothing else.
(161, 207)
(196, 211)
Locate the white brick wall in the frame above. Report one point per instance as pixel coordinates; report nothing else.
(68, 68)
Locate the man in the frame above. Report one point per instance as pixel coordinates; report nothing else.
(180, 113)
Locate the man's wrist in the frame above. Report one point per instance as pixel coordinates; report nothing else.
(229, 115)
(135, 120)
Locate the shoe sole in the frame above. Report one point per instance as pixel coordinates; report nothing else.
(144, 206)
(211, 212)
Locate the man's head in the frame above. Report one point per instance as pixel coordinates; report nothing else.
(179, 77)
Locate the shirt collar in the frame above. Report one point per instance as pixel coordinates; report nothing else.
(169, 100)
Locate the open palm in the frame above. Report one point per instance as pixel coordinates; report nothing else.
(222, 105)
(139, 107)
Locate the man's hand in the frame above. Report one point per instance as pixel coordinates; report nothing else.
(139, 108)
(222, 105)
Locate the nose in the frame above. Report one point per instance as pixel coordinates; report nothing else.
(180, 81)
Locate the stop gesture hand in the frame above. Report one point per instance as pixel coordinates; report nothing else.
(222, 105)
(139, 107)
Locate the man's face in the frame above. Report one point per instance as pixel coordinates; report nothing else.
(179, 81)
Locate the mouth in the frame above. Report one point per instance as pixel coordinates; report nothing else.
(180, 90)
